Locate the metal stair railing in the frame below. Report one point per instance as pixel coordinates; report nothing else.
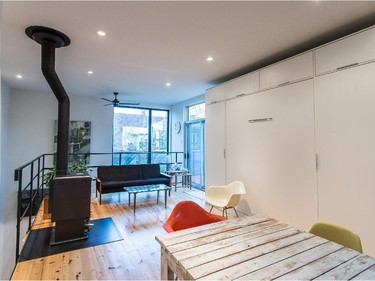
(30, 180)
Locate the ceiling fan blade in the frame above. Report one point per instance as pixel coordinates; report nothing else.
(128, 103)
(116, 102)
(106, 99)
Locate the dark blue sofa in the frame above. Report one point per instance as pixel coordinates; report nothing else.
(115, 178)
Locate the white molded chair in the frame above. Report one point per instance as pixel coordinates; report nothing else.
(226, 197)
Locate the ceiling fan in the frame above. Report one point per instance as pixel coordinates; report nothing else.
(116, 102)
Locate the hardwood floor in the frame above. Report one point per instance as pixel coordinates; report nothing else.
(135, 257)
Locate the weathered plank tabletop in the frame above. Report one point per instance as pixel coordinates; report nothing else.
(257, 247)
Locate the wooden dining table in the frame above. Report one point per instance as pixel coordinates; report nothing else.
(257, 247)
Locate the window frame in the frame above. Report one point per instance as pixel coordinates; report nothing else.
(149, 142)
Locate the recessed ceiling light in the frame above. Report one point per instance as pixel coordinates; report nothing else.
(209, 59)
(19, 76)
(90, 72)
(168, 84)
(100, 33)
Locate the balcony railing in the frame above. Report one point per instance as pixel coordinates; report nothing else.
(32, 188)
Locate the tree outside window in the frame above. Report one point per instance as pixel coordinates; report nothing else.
(143, 132)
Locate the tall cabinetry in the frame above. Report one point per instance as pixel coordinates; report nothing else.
(345, 134)
(270, 146)
(215, 123)
(303, 142)
(215, 136)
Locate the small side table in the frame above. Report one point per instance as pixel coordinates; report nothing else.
(186, 180)
(175, 174)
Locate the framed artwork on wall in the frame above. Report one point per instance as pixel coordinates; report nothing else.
(79, 141)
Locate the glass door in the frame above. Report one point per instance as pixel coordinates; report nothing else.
(195, 151)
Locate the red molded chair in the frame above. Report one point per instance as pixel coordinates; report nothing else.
(188, 214)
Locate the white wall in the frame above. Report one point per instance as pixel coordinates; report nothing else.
(7, 195)
(32, 120)
(6, 264)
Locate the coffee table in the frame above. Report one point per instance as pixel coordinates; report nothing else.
(147, 188)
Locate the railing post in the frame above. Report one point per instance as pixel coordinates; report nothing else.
(38, 182)
(31, 194)
(43, 167)
(19, 210)
(43, 172)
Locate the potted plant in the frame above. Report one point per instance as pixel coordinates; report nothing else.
(73, 167)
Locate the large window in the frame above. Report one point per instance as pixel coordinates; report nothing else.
(141, 134)
(196, 111)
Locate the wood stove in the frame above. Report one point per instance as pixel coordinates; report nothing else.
(69, 200)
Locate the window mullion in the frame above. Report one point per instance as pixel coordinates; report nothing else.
(149, 136)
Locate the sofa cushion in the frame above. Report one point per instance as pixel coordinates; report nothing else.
(131, 172)
(150, 171)
(147, 182)
(113, 189)
(135, 182)
(109, 173)
(113, 184)
(156, 181)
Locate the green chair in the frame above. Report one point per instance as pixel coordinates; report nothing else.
(338, 234)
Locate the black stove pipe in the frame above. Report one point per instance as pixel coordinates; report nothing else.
(50, 39)
(48, 70)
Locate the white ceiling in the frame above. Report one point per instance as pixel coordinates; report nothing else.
(151, 43)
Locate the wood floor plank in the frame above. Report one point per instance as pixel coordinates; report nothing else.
(135, 257)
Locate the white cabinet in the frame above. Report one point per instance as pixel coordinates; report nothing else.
(329, 117)
(349, 51)
(242, 146)
(274, 155)
(345, 143)
(215, 144)
(242, 85)
(215, 94)
(287, 71)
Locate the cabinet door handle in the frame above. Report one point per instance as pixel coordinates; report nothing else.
(283, 84)
(260, 120)
(347, 66)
